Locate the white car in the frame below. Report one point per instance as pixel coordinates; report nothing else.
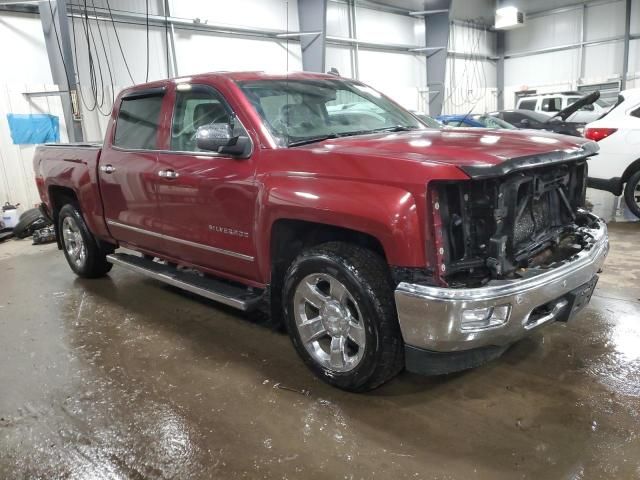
(552, 103)
(617, 165)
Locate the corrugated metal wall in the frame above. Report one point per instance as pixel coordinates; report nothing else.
(17, 183)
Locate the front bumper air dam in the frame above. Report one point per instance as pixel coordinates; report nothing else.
(430, 317)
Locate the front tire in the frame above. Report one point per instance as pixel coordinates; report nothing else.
(85, 255)
(340, 313)
(632, 193)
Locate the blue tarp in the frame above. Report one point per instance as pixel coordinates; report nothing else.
(30, 129)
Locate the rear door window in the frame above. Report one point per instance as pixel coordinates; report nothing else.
(553, 104)
(527, 104)
(138, 121)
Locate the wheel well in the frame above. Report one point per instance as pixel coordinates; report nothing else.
(290, 237)
(630, 170)
(59, 197)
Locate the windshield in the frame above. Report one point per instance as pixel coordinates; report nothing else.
(492, 122)
(620, 100)
(303, 111)
(599, 102)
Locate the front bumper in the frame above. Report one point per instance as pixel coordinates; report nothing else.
(430, 317)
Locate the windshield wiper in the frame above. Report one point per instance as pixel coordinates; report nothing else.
(395, 128)
(321, 138)
(307, 141)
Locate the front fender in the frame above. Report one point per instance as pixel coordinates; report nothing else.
(392, 215)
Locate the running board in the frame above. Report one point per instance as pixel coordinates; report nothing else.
(242, 298)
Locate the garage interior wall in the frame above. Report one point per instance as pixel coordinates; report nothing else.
(23, 44)
(197, 50)
(471, 82)
(567, 68)
(400, 75)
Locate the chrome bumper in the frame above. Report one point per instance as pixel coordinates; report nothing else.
(430, 317)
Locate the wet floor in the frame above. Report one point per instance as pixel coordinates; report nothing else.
(124, 378)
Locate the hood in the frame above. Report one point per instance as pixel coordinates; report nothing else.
(478, 152)
(577, 105)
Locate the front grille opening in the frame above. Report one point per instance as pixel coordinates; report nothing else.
(496, 228)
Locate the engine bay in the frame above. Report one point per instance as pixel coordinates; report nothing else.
(502, 228)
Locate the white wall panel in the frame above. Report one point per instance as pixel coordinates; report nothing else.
(137, 6)
(635, 16)
(542, 69)
(17, 183)
(337, 19)
(605, 20)
(603, 61)
(634, 57)
(339, 57)
(398, 75)
(470, 86)
(268, 14)
(23, 54)
(383, 27)
(463, 39)
(545, 31)
(200, 52)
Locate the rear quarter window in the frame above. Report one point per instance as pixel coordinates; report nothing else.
(527, 104)
(137, 123)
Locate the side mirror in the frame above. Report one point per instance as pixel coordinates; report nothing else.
(218, 137)
(589, 108)
(524, 123)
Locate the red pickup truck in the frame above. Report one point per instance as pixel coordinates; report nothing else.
(380, 243)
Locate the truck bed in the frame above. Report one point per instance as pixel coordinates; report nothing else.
(71, 168)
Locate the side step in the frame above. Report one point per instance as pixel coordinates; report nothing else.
(235, 296)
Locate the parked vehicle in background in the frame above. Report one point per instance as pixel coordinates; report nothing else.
(552, 103)
(379, 247)
(617, 167)
(474, 121)
(539, 121)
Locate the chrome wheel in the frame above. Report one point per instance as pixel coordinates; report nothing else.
(636, 193)
(329, 322)
(73, 242)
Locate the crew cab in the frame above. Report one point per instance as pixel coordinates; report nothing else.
(380, 243)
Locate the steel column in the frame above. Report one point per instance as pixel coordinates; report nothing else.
(58, 43)
(500, 69)
(437, 35)
(627, 37)
(312, 17)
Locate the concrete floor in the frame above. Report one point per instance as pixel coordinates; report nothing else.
(123, 377)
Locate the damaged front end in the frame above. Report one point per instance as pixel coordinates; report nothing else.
(509, 226)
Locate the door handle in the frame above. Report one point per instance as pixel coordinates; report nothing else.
(107, 168)
(168, 174)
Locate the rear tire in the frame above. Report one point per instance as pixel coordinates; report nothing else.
(339, 310)
(84, 253)
(30, 221)
(632, 193)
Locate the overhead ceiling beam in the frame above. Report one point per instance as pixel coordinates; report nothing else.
(423, 13)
